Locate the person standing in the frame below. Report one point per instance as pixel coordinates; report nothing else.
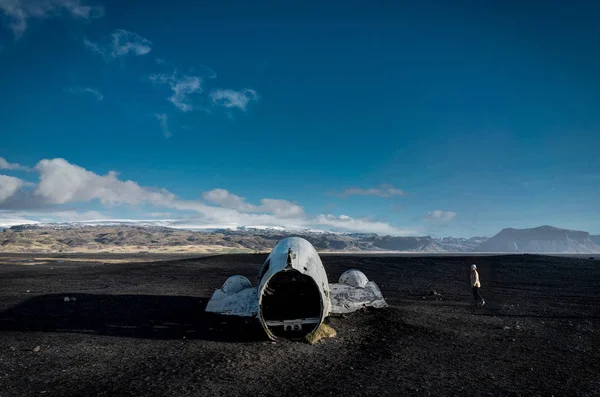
(476, 284)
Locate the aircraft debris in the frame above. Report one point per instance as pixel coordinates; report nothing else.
(293, 295)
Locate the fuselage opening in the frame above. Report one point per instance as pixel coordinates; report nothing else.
(291, 305)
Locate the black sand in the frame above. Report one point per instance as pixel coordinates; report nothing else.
(140, 329)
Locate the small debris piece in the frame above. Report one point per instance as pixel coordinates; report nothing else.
(506, 328)
(67, 299)
(324, 331)
(28, 290)
(36, 349)
(433, 292)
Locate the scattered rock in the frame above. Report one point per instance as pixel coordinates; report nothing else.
(506, 328)
(433, 293)
(28, 290)
(36, 349)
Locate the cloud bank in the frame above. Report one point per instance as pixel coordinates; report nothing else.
(62, 184)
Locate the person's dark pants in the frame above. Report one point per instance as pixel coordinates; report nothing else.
(476, 295)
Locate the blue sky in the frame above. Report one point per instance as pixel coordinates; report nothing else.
(441, 118)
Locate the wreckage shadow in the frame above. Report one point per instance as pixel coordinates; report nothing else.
(134, 316)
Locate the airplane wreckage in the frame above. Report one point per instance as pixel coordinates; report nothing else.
(293, 296)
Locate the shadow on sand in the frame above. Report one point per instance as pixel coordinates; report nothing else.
(135, 316)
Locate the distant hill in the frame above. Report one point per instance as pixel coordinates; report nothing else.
(543, 239)
(127, 238)
(459, 244)
(595, 239)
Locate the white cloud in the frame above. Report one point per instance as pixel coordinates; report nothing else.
(381, 191)
(72, 216)
(7, 221)
(87, 90)
(20, 11)
(162, 117)
(225, 199)
(182, 87)
(94, 47)
(62, 183)
(211, 74)
(13, 218)
(9, 186)
(233, 99)
(347, 223)
(439, 216)
(5, 165)
(279, 208)
(125, 42)
(122, 43)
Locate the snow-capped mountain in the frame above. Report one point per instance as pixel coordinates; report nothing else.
(459, 244)
(102, 235)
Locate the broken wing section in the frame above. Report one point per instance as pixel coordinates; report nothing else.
(237, 297)
(354, 292)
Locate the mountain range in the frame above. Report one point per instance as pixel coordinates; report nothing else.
(74, 237)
